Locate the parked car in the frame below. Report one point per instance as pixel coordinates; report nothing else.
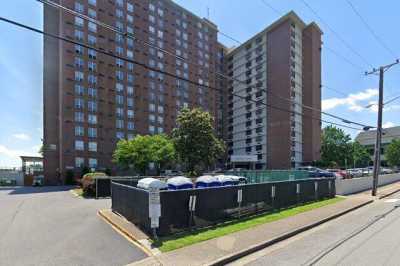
(355, 173)
(340, 174)
(316, 172)
(385, 171)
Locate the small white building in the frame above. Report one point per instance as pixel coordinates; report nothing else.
(368, 138)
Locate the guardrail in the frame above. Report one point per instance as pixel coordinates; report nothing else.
(214, 205)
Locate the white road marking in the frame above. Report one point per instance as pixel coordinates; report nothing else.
(391, 200)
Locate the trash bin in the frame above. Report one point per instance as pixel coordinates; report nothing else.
(179, 182)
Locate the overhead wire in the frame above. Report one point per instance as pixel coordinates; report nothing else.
(369, 28)
(126, 34)
(159, 71)
(337, 34)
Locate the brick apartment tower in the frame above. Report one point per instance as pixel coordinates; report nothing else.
(285, 60)
(92, 100)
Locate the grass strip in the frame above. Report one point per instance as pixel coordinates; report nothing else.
(188, 238)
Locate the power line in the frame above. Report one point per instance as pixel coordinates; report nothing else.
(345, 59)
(379, 40)
(335, 90)
(229, 37)
(126, 34)
(159, 71)
(392, 100)
(335, 33)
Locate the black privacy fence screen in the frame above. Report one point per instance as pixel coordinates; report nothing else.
(214, 205)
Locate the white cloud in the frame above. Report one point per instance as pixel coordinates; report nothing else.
(22, 136)
(10, 157)
(352, 101)
(388, 124)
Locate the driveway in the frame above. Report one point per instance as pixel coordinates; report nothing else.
(50, 226)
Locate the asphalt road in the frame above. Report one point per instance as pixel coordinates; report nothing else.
(49, 226)
(368, 236)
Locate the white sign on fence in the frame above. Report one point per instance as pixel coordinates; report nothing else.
(239, 196)
(192, 203)
(154, 207)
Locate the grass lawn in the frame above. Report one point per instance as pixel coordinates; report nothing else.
(188, 238)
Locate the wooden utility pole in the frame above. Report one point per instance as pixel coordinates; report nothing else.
(377, 153)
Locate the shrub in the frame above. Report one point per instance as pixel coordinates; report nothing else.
(88, 182)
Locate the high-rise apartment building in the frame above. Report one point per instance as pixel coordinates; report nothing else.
(275, 78)
(91, 100)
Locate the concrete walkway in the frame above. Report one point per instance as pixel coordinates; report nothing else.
(215, 250)
(222, 250)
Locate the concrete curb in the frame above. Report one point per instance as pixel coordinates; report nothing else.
(389, 194)
(138, 243)
(257, 247)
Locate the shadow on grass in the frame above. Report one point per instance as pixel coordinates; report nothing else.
(196, 231)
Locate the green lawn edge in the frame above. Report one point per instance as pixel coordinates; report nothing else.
(170, 243)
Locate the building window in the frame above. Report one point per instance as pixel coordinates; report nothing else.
(130, 126)
(79, 22)
(152, 129)
(79, 117)
(119, 112)
(79, 145)
(92, 132)
(119, 99)
(79, 131)
(92, 79)
(152, 107)
(129, 90)
(79, 162)
(92, 27)
(130, 114)
(92, 106)
(129, 7)
(92, 163)
(92, 54)
(79, 90)
(92, 2)
(92, 146)
(92, 92)
(120, 135)
(92, 13)
(129, 102)
(92, 119)
(119, 123)
(78, 35)
(79, 103)
(79, 7)
(79, 76)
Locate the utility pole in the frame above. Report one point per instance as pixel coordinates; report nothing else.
(377, 154)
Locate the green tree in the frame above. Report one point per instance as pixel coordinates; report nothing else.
(361, 157)
(143, 150)
(162, 151)
(196, 145)
(336, 147)
(392, 153)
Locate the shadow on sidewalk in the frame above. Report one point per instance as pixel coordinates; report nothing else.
(33, 190)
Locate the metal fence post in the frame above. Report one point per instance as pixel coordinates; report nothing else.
(239, 200)
(273, 196)
(316, 190)
(330, 187)
(298, 192)
(96, 187)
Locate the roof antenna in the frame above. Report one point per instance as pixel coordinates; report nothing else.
(208, 13)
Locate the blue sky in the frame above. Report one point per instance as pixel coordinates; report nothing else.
(21, 59)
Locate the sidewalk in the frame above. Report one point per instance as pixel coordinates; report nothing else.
(224, 249)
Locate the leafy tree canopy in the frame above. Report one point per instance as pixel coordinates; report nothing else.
(195, 142)
(392, 153)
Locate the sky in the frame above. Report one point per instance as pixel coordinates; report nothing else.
(21, 61)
